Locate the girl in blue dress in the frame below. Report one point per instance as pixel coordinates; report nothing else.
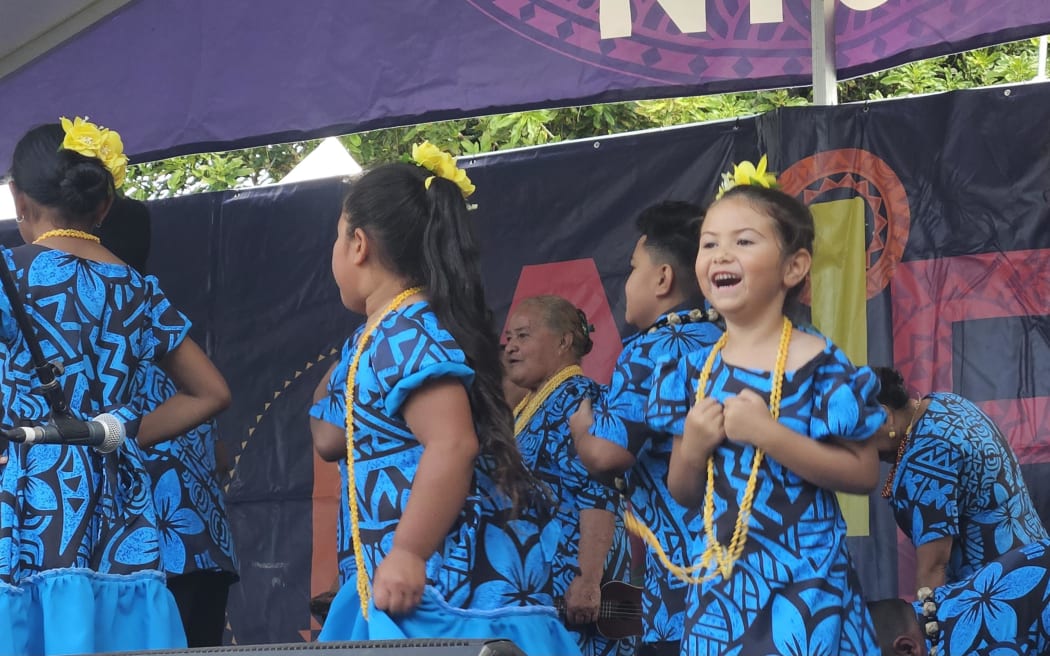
(769, 422)
(445, 520)
(546, 339)
(79, 541)
(197, 550)
(195, 542)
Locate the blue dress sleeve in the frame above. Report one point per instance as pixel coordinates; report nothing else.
(619, 408)
(608, 422)
(167, 327)
(672, 392)
(845, 401)
(332, 407)
(588, 493)
(411, 351)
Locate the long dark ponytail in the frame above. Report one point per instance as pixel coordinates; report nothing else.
(423, 233)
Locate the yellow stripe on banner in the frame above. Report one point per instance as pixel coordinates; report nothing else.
(839, 292)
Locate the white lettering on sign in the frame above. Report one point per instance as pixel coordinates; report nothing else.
(863, 5)
(768, 11)
(614, 16)
(690, 16)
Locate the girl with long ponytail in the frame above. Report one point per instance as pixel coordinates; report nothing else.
(450, 533)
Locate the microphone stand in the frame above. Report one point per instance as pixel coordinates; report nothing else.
(47, 372)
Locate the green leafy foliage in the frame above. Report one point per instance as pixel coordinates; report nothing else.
(1005, 64)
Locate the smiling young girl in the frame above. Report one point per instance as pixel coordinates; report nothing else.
(769, 422)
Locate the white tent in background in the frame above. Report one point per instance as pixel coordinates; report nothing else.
(328, 160)
(7, 203)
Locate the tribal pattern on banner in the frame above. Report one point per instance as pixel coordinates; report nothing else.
(687, 42)
(955, 200)
(452, 59)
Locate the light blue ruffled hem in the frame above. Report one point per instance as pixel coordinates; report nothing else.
(81, 611)
(534, 629)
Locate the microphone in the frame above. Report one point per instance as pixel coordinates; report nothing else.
(105, 433)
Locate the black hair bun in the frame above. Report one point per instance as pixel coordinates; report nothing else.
(891, 387)
(84, 185)
(586, 329)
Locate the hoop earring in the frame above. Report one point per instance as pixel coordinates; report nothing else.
(20, 219)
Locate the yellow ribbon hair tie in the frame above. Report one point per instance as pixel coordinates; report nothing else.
(442, 165)
(746, 173)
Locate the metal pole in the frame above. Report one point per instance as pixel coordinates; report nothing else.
(1040, 68)
(822, 30)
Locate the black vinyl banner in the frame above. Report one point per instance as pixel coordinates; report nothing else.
(949, 194)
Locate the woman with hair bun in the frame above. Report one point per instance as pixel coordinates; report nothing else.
(955, 485)
(546, 339)
(79, 541)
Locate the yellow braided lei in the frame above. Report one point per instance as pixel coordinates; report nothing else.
(532, 401)
(68, 232)
(363, 590)
(723, 558)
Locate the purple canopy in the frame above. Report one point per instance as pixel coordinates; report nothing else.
(200, 75)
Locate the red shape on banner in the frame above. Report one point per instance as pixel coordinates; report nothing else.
(578, 282)
(930, 295)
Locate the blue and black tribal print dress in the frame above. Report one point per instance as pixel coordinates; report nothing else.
(959, 478)
(794, 590)
(619, 416)
(547, 448)
(79, 542)
(492, 575)
(191, 508)
(1001, 609)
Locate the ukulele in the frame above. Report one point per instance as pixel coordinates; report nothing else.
(619, 612)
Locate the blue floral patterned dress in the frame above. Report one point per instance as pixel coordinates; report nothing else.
(547, 448)
(619, 416)
(794, 590)
(191, 510)
(492, 576)
(958, 478)
(1001, 609)
(79, 544)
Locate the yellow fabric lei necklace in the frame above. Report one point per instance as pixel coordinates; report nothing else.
(68, 232)
(363, 590)
(533, 400)
(723, 558)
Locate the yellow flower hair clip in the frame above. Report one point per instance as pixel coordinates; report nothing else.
(442, 165)
(746, 173)
(90, 140)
